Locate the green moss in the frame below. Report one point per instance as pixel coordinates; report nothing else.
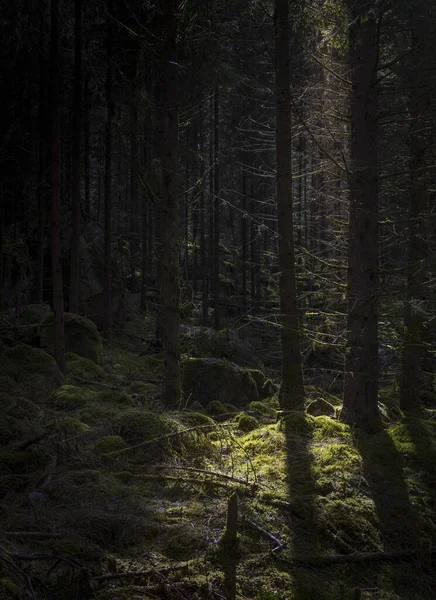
(21, 418)
(327, 428)
(20, 461)
(115, 397)
(82, 369)
(296, 422)
(81, 337)
(109, 443)
(356, 520)
(320, 407)
(216, 408)
(428, 398)
(11, 589)
(35, 372)
(136, 426)
(263, 409)
(197, 418)
(142, 388)
(246, 422)
(71, 397)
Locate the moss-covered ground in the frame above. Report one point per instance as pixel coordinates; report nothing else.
(121, 498)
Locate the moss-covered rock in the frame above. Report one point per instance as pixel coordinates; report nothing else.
(319, 407)
(263, 409)
(81, 337)
(208, 379)
(20, 418)
(109, 443)
(79, 369)
(71, 397)
(203, 342)
(295, 422)
(246, 422)
(115, 397)
(136, 426)
(33, 371)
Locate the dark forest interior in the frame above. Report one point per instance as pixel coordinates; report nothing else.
(217, 300)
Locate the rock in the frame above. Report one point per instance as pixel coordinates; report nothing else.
(320, 407)
(33, 371)
(81, 337)
(91, 275)
(81, 369)
(71, 397)
(211, 379)
(202, 342)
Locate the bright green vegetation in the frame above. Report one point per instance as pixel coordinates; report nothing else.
(124, 479)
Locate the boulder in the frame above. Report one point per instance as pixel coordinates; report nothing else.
(212, 379)
(320, 407)
(31, 371)
(81, 337)
(203, 342)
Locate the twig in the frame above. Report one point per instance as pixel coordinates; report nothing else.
(25, 575)
(26, 443)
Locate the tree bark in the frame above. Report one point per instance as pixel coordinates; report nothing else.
(292, 390)
(75, 201)
(361, 363)
(107, 273)
(419, 104)
(58, 295)
(217, 216)
(170, 211)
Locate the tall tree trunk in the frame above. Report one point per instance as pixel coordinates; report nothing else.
(244, 237)
(203, 248)
(133, 204)
(419, 103)
(107, 273)
(170, 211)
(217, 215)
(86, 148)
(58, 294)
(361, 363)
(42, 168)
(75, 203)
(292, 390)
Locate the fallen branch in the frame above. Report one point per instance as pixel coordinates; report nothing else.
(41, 535)
(270, 536)
(206, 472)
(132, 574)
(356, 557)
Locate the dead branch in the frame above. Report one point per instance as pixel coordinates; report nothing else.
(206, 472)
(279, 544)
(22, 573)
(133, 574)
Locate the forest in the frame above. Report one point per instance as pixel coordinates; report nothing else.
(218, 300)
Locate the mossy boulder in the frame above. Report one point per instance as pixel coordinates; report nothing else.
(263, 409)
(110, 443)
(246, 423)
(71, 397)
(136, 426)
(203, 342)
(81, 337)
(209, 379)
(79, 369)
(319, 407)
(293, 422)
(32, 370)
(20, 418)
(115, 397)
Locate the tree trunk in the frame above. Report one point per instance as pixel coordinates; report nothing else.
(244, 236)
(86, 148)
(58, 295)
(217, 216)
(42, 169)
(133, 204)
(292, 390)
(203, 248)
(361, 363)
(75, 201)
(107, 273)
(170, 212)
(420, 100)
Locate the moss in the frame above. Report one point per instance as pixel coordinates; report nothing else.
(81, 337)
(246, 422)
(115, 397)
(327, 428)
(263, 409)
(216, 408)
(213, 379)
(136, 426)
(197, 418)
(142, 388)
(296, 422)
(20, 461)
(21, 418)
(80, 369)
(71, 397)
(34, 371)
(268, 389)
(428, 398)
(320, 407)
(355, 520)
(10, 589)
(109, 443)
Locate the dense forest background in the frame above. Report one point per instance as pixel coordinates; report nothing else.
(217, 256)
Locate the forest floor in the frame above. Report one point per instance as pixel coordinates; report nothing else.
(121, 499)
